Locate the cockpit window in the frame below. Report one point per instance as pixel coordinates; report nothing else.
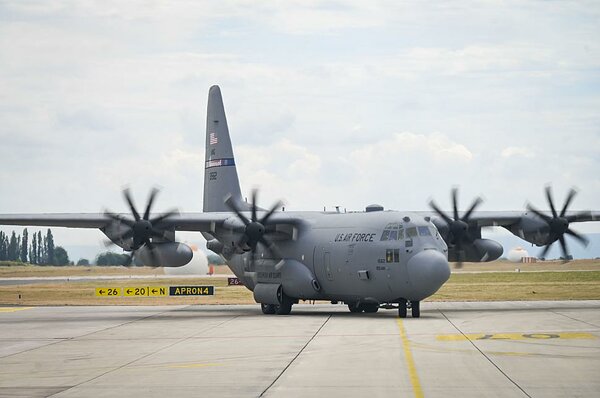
(434, 232)
(411, 232)
(392, 231)
(385, 235)
(424, 231)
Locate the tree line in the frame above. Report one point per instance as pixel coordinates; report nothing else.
(42, 249)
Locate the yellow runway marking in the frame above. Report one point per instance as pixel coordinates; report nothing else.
(412, 370)
(14, 309)
(515, 336)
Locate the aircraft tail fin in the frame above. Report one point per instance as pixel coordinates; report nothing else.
(220, 174)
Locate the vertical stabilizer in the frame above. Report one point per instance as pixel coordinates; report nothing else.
(220, 175)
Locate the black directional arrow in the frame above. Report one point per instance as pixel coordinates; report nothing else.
(128, 291)
(154, 291)
(101, 291)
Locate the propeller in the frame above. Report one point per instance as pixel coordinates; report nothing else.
(255, 230)
(558, 224)
(142, 228)
(458, 227)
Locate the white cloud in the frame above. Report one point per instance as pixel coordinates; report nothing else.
(431, 147)
(95, 95)
(515, 151)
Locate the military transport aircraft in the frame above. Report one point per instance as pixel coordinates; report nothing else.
(368, 260)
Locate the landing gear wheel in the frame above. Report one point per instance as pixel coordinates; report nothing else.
(370, 308)
(267, 309)
(285, 307)
(416, 309)
(354, 307)
(402, 308)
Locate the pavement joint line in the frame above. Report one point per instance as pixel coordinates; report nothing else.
(60, 340)
(574, 319)
(147, 355)
(410, 362)
(485, 355)
(296, 356)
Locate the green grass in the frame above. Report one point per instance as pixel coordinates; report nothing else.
(500, 286)
(482, 286)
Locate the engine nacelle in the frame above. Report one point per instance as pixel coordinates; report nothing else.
(482, 250)
(169, 254)
(532, 229)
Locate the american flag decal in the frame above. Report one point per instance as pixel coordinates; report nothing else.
(212, 139)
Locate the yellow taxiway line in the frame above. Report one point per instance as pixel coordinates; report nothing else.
(412, 370)
(14, 309)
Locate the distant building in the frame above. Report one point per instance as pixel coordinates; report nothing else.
(517, 254)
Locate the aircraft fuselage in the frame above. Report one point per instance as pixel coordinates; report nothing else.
(373, 257)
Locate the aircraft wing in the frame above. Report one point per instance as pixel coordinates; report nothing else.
(508, 218)
(182, 222)
(201, 222)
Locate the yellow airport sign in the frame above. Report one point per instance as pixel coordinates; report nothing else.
(108, 291)
(191, 290)
(145, 291)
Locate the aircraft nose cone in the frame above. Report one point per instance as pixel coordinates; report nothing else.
(427, 272)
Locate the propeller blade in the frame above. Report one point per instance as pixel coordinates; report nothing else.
(153, 255)
(150, 201)
(460, 255)
(243, 240)
(129, 260)
(273, 209)
(129, 200)
(270, 247)
(545, 251)
(233, 207)
(455, 202)
(582, 239)
(570, 197)
(563, 247)
(157, 233)
(125, 235)
(550, 201)
(467, 236)
(440, 212)
(118, 218)
(164, 216)
(582, 215)
(254, 198)
(475, 204)
(538, 213)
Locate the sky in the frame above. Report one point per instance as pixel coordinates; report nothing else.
(329, 103)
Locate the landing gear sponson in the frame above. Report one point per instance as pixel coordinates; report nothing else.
(283, 308)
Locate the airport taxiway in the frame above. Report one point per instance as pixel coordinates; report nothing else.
(501, 349)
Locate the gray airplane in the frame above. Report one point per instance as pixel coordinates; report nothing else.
(369, 260)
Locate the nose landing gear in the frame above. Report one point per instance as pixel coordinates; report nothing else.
(415, 307)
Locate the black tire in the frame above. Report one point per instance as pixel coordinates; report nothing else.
(267, 309)
(370, 308)
(285, 307)
(402, 308)
(416, 309)
(354, 308)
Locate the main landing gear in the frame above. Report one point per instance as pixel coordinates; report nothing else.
(284, 308)
(363, 307)
(403, 306)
